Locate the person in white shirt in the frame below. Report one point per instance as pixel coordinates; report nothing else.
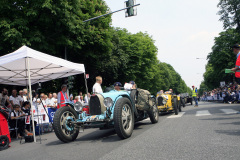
(87, 98)
(4, 98)
(81, 100)
(76, 99)
(97, 86)
(14, 98)
(25, 95)
(80, 94)
(51, 101)
(42, 101)
(20, 96)
(35, 97)
(55, 98)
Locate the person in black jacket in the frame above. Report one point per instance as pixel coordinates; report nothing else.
(17, 120)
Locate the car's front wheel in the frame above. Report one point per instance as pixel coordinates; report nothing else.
(175, 105)
(153, 112)
(123, 118)
(63, 125)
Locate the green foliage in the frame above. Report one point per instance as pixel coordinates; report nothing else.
(117, 55)
(229, 12)
(221, 58)
(169, 78)
(203, 88)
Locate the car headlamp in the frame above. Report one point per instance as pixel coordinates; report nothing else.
(164, 101)
(108, 102)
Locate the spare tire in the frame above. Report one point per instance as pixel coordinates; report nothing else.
(133, 96)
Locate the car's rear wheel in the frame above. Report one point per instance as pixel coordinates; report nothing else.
(182, 102)
(123, 118)
(175, 105)
(63, 125)
(153, 112)
(4, 142)
(179, 106)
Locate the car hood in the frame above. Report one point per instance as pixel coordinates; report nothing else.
(114, 94)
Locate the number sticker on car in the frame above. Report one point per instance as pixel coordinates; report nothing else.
(93, 117)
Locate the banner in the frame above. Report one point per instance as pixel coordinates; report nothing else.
(51, 112)
(40, 115)
(27, 119)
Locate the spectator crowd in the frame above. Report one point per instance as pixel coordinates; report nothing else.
(228, 93)
(17, 104)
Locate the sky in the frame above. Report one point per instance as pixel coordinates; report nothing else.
(183, 31)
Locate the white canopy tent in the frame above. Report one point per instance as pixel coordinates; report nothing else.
(26, 66)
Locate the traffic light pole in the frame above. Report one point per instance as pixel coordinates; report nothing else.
(110, 13)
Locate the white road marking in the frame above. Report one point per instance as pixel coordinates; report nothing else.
(203, 113)
(229, 111)
(180, 114)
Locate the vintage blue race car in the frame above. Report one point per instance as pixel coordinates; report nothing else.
(113, 109)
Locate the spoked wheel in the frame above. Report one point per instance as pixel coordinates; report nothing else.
(4, 142)
(123, 118)
(63, 125)
(153, 112)
(175, 105)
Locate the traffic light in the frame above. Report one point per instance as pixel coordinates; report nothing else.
(130, 11)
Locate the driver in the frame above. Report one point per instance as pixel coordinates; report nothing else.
(117, 86)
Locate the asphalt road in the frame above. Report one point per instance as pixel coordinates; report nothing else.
(211, 131)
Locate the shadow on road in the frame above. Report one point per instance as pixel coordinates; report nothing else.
(108, 135)
(220, 118)
(229, 132)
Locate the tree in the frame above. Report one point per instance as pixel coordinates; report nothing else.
(230, 13)
(221, 58)
(54, 27)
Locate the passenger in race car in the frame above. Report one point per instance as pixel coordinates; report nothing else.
(117, 86)
(131, 85)
(134, 86)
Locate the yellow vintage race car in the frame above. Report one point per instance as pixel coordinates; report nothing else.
(168, 102)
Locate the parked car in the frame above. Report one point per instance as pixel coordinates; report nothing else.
(113, 109)
(168, 102)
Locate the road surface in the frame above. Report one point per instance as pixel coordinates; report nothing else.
(211, 131)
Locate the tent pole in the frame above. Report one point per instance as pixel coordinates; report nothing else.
(30, 91)
(86, 84)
